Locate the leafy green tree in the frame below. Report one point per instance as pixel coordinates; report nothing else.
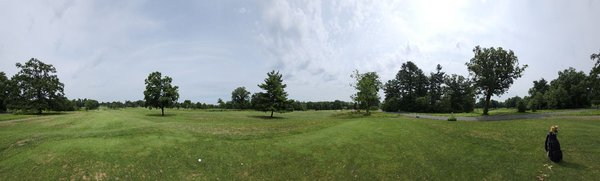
(187, 104)
(221, 103)
(521, 106)
(570, 89)
(35, 87)
(557, 97)
(240, 98)
(63, 104)
(91, 104)
(493, 71)
(512, 102)
(594, 78)
(459, 94)
(436, 81)
(4, 85)
(537, 93)
(401, 93)
(367, 86)
(159, 92)
(537, 101)
(274, 98)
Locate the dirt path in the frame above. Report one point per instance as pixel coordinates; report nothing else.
(490, 118)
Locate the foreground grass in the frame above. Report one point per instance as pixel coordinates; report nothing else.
(134, 144)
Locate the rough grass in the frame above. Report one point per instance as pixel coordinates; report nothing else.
(134, 144)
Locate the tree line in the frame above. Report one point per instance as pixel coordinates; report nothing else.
(36, 88)
(491, 73)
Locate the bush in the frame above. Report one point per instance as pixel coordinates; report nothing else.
(521, 106)
(451, 118)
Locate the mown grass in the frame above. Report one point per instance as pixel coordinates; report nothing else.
(135, 144)
(7, 116)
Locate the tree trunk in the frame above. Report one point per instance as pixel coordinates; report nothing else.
(162, 109)
(486, 106)
(271, 114)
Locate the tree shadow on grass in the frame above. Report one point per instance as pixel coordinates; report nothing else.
(266, 117)
(160, 115)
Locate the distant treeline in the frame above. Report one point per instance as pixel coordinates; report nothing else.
(36, 88)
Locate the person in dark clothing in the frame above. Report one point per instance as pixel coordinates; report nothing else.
(552, 145)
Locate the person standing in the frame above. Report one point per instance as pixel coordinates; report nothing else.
(552, 145)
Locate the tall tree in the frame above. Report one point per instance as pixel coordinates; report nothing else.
(367, 86)
(4, 83)
(187, 104)
(402, 92)
(221, 103)
(159, 92)
(91, 104)
(594, 78)
(240, 98)
(460, 94)
(35, 87)
(435, 86)
(537, 93)
(494, 71)
(570, 89)
(274, 98)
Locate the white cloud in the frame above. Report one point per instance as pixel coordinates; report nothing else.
(105, 49)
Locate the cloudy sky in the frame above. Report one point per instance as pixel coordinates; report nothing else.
(105, 49)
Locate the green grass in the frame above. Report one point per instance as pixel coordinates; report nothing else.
(136, 144)
(6, 116)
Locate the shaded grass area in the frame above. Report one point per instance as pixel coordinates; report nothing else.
(129, 144)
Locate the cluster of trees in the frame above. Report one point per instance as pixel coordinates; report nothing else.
(413, 91)
(35, 88)
(323, 105)
(572, 89)
(492, 72)
(160, 93)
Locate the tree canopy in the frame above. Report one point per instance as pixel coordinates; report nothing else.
(240, 98)
(4, 83)
(274, 99)
(159, 92)
(402, 92)
(35, 87)
(494, 71)
(594, 78)
(367, 86)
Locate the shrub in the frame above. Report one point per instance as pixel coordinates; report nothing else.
(521, 106)
(451, 118)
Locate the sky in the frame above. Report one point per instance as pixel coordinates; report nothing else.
(105, 49)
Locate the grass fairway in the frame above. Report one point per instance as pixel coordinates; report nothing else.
(137, 144)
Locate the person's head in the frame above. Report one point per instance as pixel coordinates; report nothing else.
(554, 129)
